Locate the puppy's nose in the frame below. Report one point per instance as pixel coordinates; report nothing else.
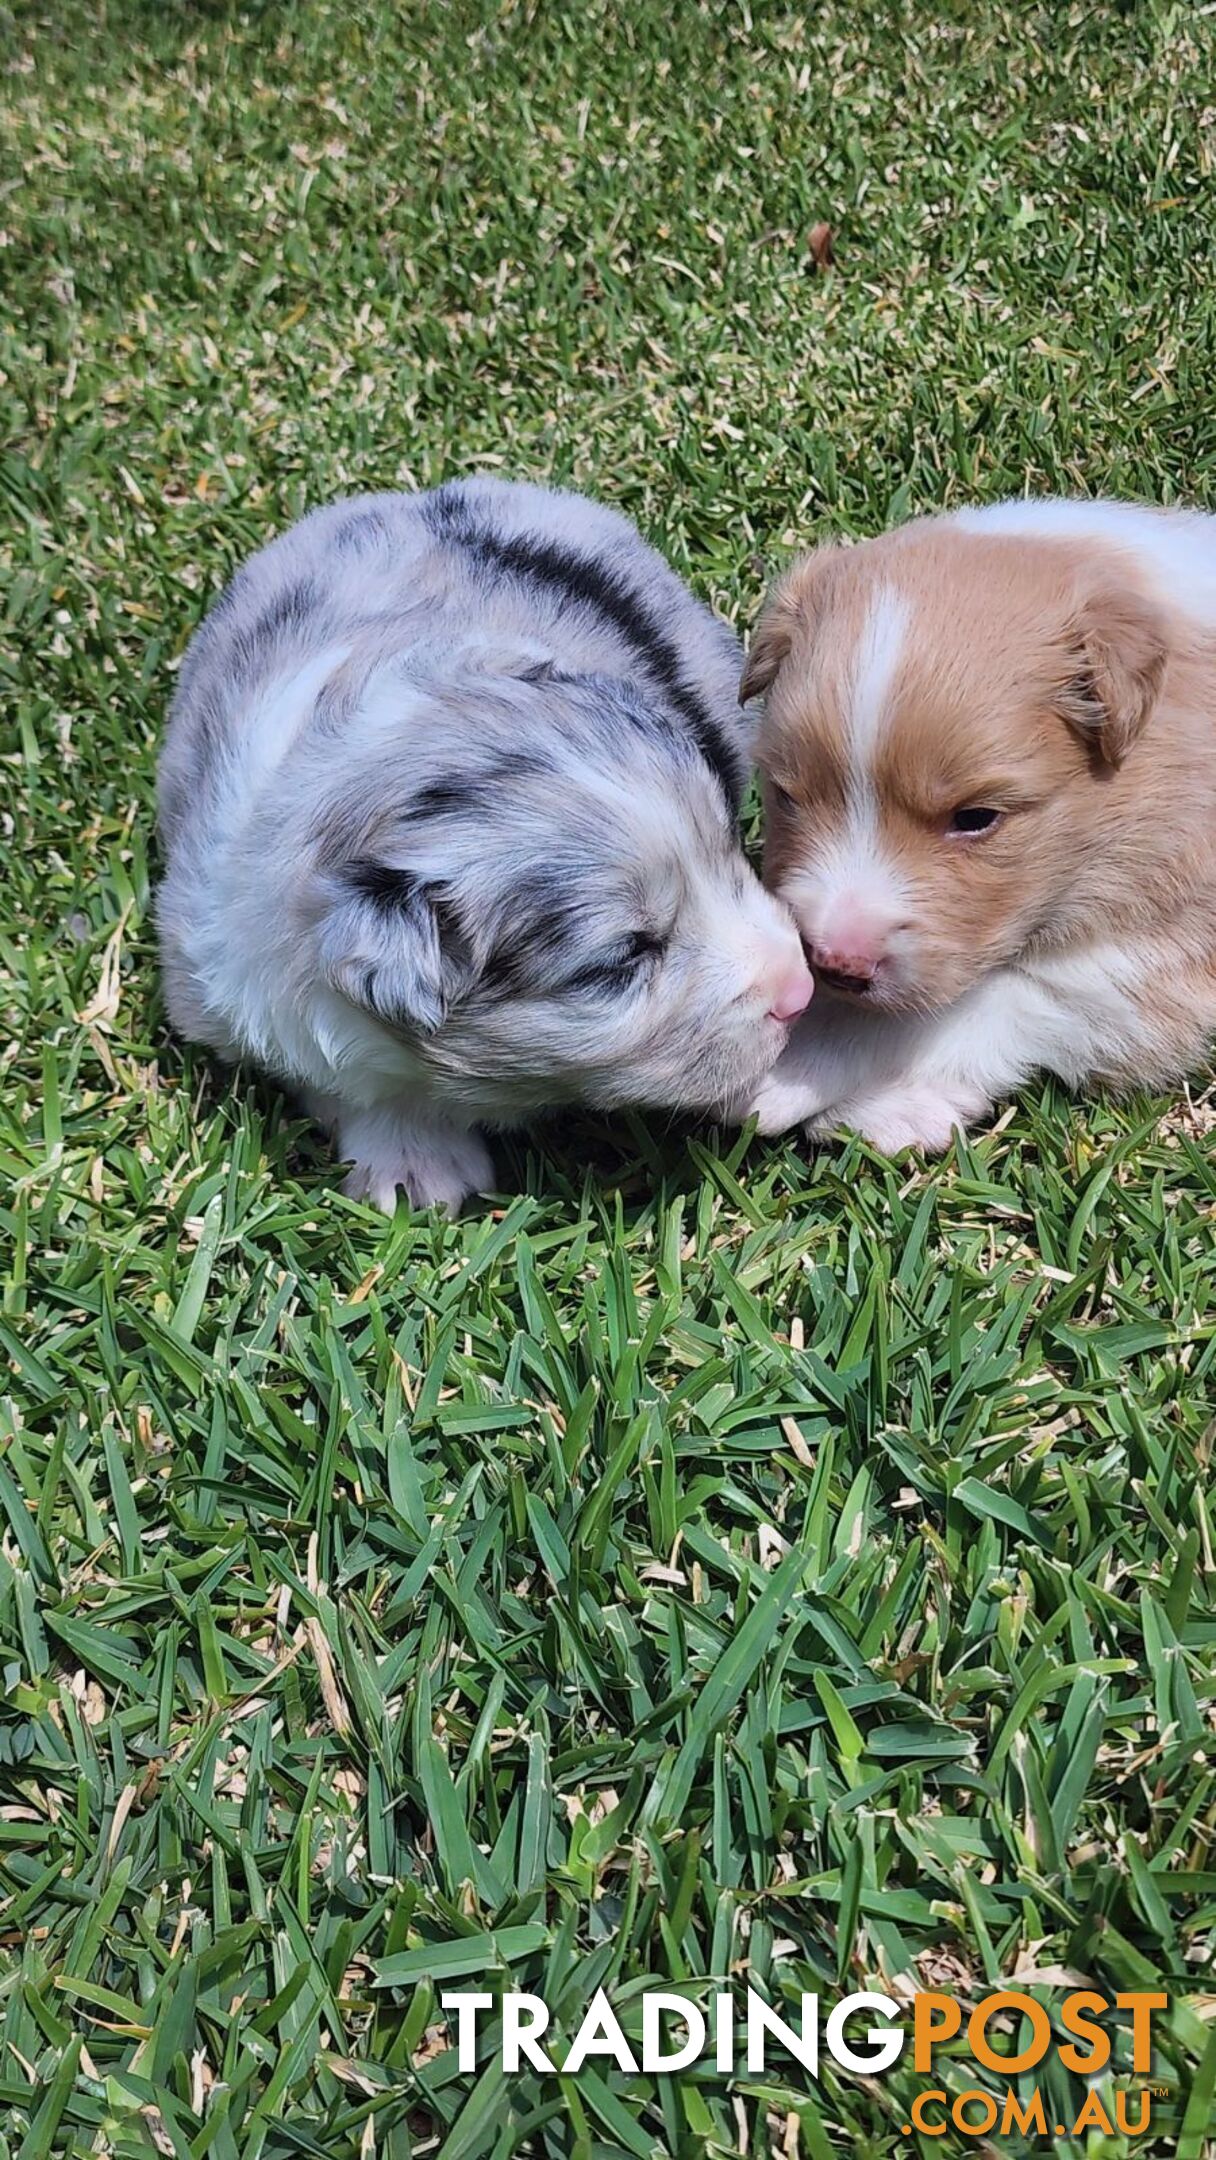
(856, 959)
(792, 996)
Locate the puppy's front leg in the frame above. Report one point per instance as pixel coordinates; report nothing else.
(834, 1054)
(907, 1082)
(962, 1062)
(398, 1147)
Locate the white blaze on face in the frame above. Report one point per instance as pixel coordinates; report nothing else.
(852, 895)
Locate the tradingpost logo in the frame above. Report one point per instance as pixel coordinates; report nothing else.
(744, 2033)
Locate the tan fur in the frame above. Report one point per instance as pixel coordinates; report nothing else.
(1047, 679)
(1124, 636)
(1018, 657)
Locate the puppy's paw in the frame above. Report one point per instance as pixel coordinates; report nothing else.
(780, 1103)
(432, 1168)
(915, 1115)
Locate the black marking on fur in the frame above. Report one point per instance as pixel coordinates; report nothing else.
(448, 512)
(548, 671)
(502, 975)
(394, 892)
(453, 943)
(399, 893)
(520, 765)
(543, 927)
(445, 798)
(362, 529)
(588, 582)
(289, 610)
(472, 793)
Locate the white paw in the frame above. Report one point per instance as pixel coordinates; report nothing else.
(914, 1116)
(432, 1169)
(779, 1104)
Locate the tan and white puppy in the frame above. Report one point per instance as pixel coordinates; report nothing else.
(988, 755)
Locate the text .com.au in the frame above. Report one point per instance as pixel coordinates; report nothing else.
(866, 2033)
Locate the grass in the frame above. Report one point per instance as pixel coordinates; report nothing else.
(711, 1559)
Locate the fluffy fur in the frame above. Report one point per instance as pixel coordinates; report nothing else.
(448, 806)
(987, 751)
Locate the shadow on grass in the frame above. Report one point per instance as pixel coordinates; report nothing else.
(562, 1161)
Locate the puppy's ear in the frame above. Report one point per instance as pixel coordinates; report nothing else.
(390, 944)
(1119, 641)
(769, 648)
(790, 606)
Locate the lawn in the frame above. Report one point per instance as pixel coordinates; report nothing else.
(707, 1559)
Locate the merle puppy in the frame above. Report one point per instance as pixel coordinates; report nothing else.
(448, 804)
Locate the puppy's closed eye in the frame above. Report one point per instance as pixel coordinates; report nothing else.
(624, 967)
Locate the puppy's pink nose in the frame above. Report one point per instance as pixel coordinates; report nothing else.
(854, 959)
(793, 995)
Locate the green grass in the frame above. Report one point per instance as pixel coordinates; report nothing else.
(710, 1558)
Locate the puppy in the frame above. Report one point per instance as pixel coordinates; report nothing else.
(989, 770)
(448, 806)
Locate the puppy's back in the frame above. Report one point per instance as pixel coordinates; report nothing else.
(290, 605)
(487, 558)
(1175, 547)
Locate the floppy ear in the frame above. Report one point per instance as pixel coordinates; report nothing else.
(789, 608)
(770, 643)
(390, 944)
(1120, 645)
